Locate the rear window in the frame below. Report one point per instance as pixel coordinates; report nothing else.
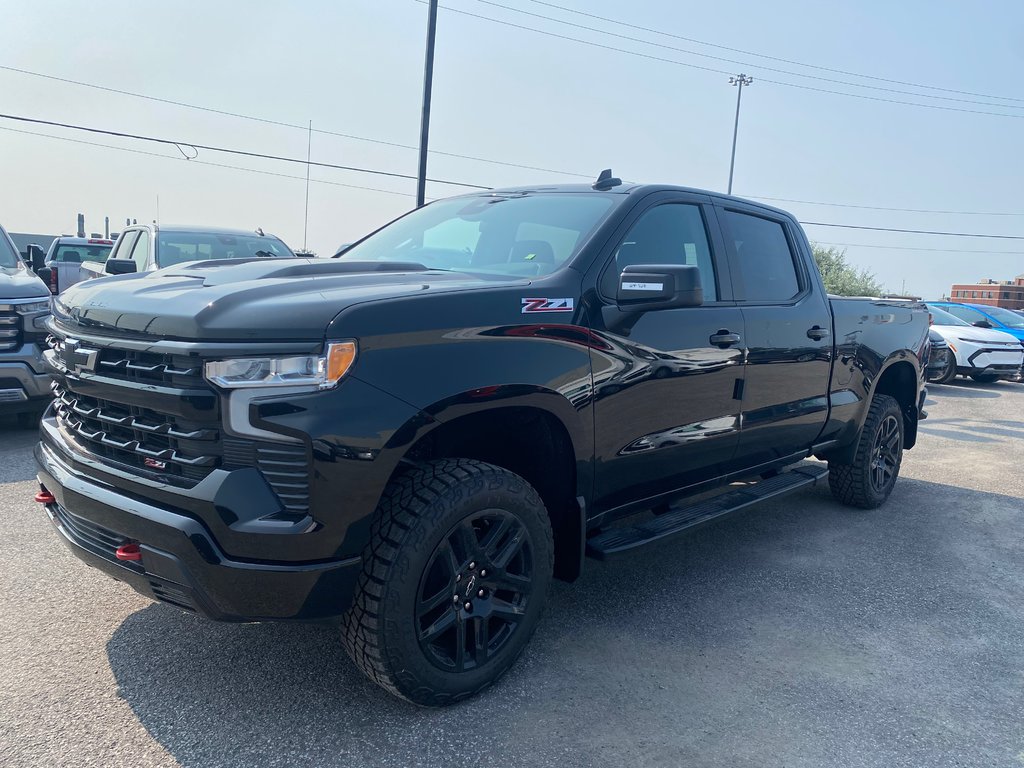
(179, 247)
(76, 254)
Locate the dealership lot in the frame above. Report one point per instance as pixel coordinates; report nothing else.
(800, 634)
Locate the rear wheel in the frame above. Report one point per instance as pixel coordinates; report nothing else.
(985, 378)
(454, 581)
(867, 481)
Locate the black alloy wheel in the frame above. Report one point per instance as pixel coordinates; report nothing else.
(475, 590)
(885, 454)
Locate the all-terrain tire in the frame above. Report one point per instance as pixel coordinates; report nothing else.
(867, 481)
(416, 531)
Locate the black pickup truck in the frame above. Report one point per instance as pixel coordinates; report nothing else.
(416, 437)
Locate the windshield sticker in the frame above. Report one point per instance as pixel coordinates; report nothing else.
(547, 305)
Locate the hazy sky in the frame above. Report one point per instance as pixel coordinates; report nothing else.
(505, 93)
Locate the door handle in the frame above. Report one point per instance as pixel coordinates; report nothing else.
(817, 333)
(724, 338)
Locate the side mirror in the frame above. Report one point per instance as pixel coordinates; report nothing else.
(981, 324)
(120, 266)
(36, 257)
(646, 287)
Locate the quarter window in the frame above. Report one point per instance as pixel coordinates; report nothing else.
(672, 233)
(763, 256)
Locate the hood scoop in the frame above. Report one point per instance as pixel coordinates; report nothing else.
(217, 272)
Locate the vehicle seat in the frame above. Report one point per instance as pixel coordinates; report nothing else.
(71, 257)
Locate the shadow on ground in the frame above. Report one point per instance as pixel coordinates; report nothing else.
(16, 463)
(801, 634)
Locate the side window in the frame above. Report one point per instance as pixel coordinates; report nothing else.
(140, 253)
(764, 259)
(964, 313)
(123, 248)
(672, 233)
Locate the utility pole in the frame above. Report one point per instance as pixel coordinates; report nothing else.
(739, 81)
(309, 150)
(428, 80)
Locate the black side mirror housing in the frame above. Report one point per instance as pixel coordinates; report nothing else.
(647, 287)
(981, 324)
(49, 276)
(36, 257)
(120, 266)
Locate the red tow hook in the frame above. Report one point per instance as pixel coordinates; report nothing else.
(44, 497)
(128, 552)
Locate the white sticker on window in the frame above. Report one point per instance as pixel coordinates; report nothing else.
(643, 286)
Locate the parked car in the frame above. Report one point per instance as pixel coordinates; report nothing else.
(940, 359)
(984, 316)
(24, 305)
(984, 354)
(146, 247)
(66, 256)
(410, 437)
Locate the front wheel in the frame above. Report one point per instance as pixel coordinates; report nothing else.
(867, 481)
(949, 372)
(454, 581)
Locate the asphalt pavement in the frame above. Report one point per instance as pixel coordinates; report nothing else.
(800, 633)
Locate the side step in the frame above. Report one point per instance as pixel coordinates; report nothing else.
(617, 540)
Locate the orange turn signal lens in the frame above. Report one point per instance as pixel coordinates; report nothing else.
(340, 356)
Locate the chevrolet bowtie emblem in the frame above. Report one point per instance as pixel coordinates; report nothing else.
(78, 358)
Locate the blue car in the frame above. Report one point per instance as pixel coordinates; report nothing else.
(984, 316)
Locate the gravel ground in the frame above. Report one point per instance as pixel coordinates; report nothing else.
(797, 634)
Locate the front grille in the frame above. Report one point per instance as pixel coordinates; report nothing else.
(169, 592)
(99, 540)
(139, 437)
(10, 331)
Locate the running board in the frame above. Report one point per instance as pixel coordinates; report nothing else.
(617, 540)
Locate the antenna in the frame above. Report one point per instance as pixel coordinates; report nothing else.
(606, 181)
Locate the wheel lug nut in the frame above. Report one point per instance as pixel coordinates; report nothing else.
(458, 577)
(472, 566)
(480, 593)
(468, 606)
(455, 598)
(483, 573)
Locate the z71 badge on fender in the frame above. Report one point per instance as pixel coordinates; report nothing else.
(547, 305)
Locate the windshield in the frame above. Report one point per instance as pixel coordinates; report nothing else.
(76, 254)
(942, 317)
(1006, 317)
(493, 234)
(8, 256)
(179, 247)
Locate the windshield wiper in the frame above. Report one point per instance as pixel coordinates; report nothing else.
(265, 254)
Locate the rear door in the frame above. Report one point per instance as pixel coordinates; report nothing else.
(665, 415)
(788, 343)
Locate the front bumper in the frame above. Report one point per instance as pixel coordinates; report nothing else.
(1002, 362)
(182, 564)
(24, 382)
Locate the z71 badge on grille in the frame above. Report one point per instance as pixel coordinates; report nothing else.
(547, 305)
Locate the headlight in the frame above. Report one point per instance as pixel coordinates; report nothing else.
(321, 371)
(32, 307)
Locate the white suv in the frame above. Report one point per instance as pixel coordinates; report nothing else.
(984, 354)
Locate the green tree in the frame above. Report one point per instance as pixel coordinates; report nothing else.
(841, 278)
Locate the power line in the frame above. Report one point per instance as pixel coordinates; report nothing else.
(179, 144)
(774, 58)
(911, 231)
(908, 248)
(662, 59)
(206, 162)
(268, 121)
(192, 158)
(743, 63)
(884, 208)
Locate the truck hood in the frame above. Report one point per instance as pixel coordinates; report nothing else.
(236, 300)
(987, 335)
(19, 283)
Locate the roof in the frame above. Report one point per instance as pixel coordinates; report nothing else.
(627, 188)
